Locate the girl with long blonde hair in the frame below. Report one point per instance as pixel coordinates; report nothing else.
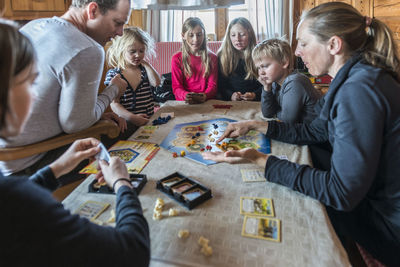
(236, 79)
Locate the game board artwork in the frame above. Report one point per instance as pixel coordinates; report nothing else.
(195, 137)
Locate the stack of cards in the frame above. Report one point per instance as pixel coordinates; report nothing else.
(258, 221)
(253, 175)
(91, 209)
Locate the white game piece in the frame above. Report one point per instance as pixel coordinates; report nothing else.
(183, 233)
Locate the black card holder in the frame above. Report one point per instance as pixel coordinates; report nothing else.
(138, 181)
(188, 192)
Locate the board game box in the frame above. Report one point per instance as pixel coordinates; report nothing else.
(190, 139)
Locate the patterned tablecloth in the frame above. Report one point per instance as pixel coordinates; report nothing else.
(307, 236)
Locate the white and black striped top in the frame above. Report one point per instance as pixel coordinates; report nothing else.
(139, 101)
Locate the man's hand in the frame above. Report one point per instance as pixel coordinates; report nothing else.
(111, 116)
(112, 171)
(120, 83)
(80, 150)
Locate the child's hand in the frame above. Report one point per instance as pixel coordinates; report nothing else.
(120, 83)
(236, 96)
(140, 119)
(267, 86)
(195, 98)
(249, 96)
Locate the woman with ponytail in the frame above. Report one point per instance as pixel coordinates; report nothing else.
(359, 117)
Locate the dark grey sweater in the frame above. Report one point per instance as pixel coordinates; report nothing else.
(293, 101)
(36, 230)
(360, 117)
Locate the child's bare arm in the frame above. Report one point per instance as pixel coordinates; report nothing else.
(154, 77)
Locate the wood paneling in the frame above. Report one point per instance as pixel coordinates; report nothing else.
(38, 5)
(393, 23)
(386, 8)
(137, 18)
(33, 9)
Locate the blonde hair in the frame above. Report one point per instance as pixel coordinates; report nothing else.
(229, 56)
(189, 25)
(375, 41)
(115, 53)
(277, 49)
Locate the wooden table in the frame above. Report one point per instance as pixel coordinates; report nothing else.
(308, 238)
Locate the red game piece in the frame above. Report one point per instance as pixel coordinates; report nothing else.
(175, 155)
(202, 149)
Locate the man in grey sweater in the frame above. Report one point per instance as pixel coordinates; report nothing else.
(70, 60)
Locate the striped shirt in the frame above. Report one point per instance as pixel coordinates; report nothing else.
(139, 101)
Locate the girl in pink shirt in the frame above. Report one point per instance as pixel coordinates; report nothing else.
(194, 69)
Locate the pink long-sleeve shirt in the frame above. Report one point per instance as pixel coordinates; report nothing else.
(182, 85)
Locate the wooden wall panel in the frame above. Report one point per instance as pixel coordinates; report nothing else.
(386, 8)
(38, 5)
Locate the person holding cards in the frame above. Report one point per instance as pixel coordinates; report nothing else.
(35, 229)
(194, 69)
(359, 116)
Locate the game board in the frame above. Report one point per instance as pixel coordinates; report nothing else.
(194, 137)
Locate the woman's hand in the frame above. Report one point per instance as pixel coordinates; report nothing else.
(111, 116)
(112, 171)
(247, 155)
(80, 150)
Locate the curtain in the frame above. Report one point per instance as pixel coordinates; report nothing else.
(183, 4)
(271, 18)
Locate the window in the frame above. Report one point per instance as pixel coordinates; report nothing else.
(238, 11)
(175, 19)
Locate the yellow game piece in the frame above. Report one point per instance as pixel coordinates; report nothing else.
(183, 153)
(193, 142)
(183, 233)
(173, 212)
(157, 216)
(203, 241)
(206, 250)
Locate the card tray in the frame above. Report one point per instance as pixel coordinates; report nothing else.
(186, 191)
(138, 181)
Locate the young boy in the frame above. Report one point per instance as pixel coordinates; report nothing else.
(287, 95)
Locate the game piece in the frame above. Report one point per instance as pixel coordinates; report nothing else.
(193, 142)
(206, 250)
(262, 228)
(183, 153)
(171, 181)
(216, 132)
(186, 191)
(256, 206)
(202, 149)
(183, 233)
(212, 140)
(157, 216)
(173, 212)
(203, 241)
(181, 187)
(175, 155)
(208, 147)
(159, 205)
(215, 125)
(91, 209)
(200, 129)
(161, 120)
(197, 134)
